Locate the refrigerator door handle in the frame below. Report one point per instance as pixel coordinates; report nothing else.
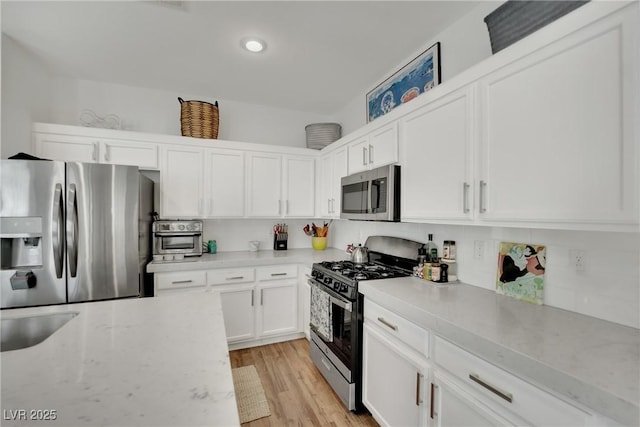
(57, 230)
(72, 230)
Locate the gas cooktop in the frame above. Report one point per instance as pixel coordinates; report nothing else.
(366, 271)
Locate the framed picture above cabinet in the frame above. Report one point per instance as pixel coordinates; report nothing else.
(418, 76)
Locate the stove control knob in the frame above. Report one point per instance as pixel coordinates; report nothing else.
(327, 280)
(343, 288)
(181, 227)
(336, 286)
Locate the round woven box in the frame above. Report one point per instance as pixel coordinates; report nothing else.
(319, 135)
(199, 119)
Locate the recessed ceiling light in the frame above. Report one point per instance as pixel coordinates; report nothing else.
(254, 45)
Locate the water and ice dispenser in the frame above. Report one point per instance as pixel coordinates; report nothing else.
(21, 240)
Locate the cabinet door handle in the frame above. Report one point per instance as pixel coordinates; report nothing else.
(418, 376)
(251, 297)
(483, 186)
(493, 389)
(465, 197)
(278, 274)
(364, 156)
(181, 281)
(107, 152)
(432, 400)
(286, 211)
(261, 296)
(234, 278)
(370, 153)
(329, 206)
(333, 205)
(279, 207)
(94, 153)
(210, 206)
(387, 324)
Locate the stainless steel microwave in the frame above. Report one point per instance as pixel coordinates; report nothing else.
(372, 195)
(177, 237)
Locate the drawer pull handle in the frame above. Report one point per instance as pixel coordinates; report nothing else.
(503, 394)
(235, 278)
(181, 281)
(418, 388)
(278, 274)
(387, 324)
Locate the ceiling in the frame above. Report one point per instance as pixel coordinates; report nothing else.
(320, 54)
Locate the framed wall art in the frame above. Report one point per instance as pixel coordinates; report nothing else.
(418, 76)
(521, 268)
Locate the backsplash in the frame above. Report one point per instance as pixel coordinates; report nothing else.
(607, 288)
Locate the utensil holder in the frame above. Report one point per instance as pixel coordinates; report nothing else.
(319, 243)
(280, 241)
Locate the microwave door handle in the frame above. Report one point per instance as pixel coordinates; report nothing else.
(370, 190)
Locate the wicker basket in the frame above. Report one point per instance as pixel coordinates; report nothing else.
(199, 119)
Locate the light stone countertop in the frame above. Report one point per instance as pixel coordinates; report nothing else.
(588, 360)
(140, 361)
(247, 258)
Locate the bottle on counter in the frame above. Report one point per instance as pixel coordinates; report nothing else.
(449, 250)
(426, 271)
(422, 255)
(435, 271)
(432, 249)
(444, 278)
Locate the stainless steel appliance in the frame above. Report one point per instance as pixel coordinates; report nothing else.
(372, 195)
(337, 311)
(172, 237)
(71, 232)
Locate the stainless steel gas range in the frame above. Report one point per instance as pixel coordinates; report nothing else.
(337, 311)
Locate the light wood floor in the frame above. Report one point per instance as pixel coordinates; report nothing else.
(298, 394)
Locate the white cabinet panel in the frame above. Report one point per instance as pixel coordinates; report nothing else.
(557, 140)
(332, 167)
(130, 153)
(278, 307)
(299, 184)
(181, 180)
(436, 145)
(377, 148)
(224, 184)
(67, 148)
(393, 382)
(264, 183)
(238, 307)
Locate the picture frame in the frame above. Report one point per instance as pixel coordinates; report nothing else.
(420, 75)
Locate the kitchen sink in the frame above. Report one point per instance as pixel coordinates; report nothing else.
(23, 332)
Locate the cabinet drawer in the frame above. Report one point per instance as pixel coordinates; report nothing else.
(277, 272)
(497, 386)
(180, 280)
(399, 327)
(230, 275)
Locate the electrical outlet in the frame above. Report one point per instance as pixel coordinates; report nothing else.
(578, 259)
(478, 249)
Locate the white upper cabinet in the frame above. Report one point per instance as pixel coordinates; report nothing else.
(280, 185)
(298, 192)
(436, 143)
(74, 146)
(264, 183)
(224, 183)
(559, 130)
(332, 167)
(181, 182)
(377, 148)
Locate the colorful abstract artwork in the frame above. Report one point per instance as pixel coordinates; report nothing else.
(521, 269)
(418, 76)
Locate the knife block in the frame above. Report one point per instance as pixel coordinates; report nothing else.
(280, 241)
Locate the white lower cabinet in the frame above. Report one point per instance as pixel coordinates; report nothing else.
(395, 370)
(451, 406)
(258, 303)
(476, 386)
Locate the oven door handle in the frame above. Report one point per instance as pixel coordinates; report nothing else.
(177, 233)
(334, 298)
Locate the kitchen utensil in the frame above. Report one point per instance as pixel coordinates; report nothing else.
(359, 254)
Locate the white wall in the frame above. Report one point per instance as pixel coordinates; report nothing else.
(25, 97)
(158, 111)
(608, 288)
(462, 45)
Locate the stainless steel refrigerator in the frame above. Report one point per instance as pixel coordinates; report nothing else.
(72, 232)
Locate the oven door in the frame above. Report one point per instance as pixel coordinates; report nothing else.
(332, 322)
(177, 243)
